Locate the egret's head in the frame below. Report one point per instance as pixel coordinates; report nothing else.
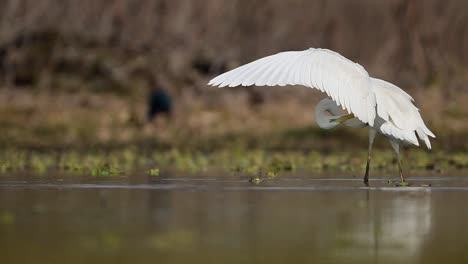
(329, 115)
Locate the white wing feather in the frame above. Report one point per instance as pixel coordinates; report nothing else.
(346, 82)
(402, 118)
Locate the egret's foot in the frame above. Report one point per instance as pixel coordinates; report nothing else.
(366, 175)
(366, 181)
(402, 184)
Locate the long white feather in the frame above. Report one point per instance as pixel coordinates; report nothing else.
(402, 117)
(322, 69)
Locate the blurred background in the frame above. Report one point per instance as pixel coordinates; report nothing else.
(91, 89)
(82, 73)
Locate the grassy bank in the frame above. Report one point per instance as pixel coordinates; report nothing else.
(105, 134)
(224, 162)
(221, 119)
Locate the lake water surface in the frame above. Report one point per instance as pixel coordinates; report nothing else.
(230, 220)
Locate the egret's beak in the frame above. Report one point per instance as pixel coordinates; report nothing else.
(343, 118)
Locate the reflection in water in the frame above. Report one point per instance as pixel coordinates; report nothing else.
(394, 228)
(405, 225)
(219, 226)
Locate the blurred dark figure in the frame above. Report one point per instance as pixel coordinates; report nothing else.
(159, 103)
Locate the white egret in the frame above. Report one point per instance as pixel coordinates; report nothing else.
(364, 101)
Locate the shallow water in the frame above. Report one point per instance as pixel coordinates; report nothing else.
(229, 220)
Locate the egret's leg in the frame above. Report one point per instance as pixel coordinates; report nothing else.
(396, 148)
(372, 133)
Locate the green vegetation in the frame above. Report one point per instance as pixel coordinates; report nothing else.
(153, 172)
(255, 163)
(402, 184)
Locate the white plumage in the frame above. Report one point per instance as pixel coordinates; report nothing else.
(383, 106)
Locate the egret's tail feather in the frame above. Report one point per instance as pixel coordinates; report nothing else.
(423, 136)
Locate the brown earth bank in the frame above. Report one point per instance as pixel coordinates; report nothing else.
(81, 120)
(78, 73)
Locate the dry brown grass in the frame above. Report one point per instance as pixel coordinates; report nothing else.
(87, 119)
(85, 64)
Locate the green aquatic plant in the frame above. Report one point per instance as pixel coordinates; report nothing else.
(153, 172)
(280, 163)
(402, 184)
(41, 163)
(241, 161)
(255, 180)
(5, 167)
(105, 171)
(420, 159)
(459, 160)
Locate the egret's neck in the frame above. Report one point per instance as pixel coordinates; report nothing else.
(325, 113)
(328, 115)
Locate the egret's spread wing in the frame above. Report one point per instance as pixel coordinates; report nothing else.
(346, 82)
(402, 117)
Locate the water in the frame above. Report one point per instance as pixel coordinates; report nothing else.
(229, 220)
